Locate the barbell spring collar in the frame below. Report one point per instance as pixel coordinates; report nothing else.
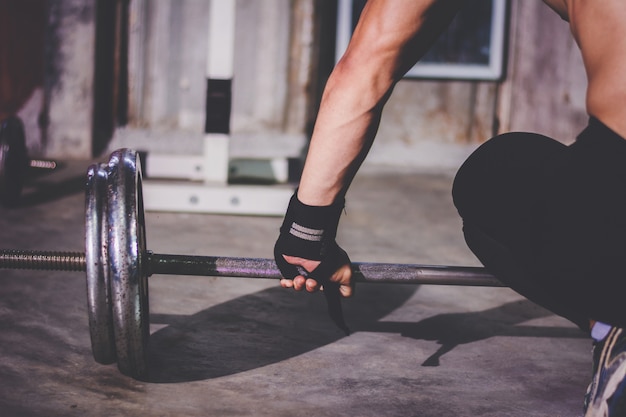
(41, 164)
(42, 260)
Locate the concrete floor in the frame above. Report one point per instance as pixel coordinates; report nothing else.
(246, 347)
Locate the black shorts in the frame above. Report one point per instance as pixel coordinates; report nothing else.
(549, 220)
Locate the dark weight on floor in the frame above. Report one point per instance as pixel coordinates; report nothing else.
(14, 161)
(117, 265)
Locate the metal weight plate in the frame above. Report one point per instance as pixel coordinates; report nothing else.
(13, 160)
(97, 263)
(127, 262)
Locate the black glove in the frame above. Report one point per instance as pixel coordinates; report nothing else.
(309, 232)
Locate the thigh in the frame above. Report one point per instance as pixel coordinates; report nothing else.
(499, 187)
(499, 192)
(557, 213)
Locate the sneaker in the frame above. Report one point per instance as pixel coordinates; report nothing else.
(606, 395)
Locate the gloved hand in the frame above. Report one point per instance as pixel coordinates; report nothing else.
(307, 238)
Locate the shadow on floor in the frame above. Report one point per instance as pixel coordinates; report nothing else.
(274, 325)
(254, 331)
(42, 192)
(454, 329)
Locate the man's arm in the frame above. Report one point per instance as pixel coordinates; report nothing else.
(389, 39)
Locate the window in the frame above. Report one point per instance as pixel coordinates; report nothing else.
(471, 48)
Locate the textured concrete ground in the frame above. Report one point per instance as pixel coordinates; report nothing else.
(246, 347)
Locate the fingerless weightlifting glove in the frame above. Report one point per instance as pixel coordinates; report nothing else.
(309, 232)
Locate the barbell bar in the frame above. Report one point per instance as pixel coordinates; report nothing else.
(14, 160)
(117, 265)
(239, 267)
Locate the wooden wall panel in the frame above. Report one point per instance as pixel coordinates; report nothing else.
(545, 88)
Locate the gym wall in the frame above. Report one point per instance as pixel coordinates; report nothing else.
(133, 71)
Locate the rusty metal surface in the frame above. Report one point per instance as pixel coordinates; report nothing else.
(126, 248)
(97, 266)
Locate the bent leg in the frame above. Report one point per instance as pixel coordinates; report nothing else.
(582, 245)
(498, 193)
(557, 213)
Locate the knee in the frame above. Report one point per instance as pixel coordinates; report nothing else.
(504, 170)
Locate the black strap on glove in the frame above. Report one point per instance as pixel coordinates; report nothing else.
(309, 232)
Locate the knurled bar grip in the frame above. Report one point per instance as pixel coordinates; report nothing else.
(363, 272)
(215, 266)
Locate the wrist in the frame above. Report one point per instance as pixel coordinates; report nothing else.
(318, 197)
(308, 230)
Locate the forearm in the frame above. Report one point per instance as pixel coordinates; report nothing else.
(390, 37)
(344, 130)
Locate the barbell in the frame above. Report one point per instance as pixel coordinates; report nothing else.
(117, 265)
(14, 160)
